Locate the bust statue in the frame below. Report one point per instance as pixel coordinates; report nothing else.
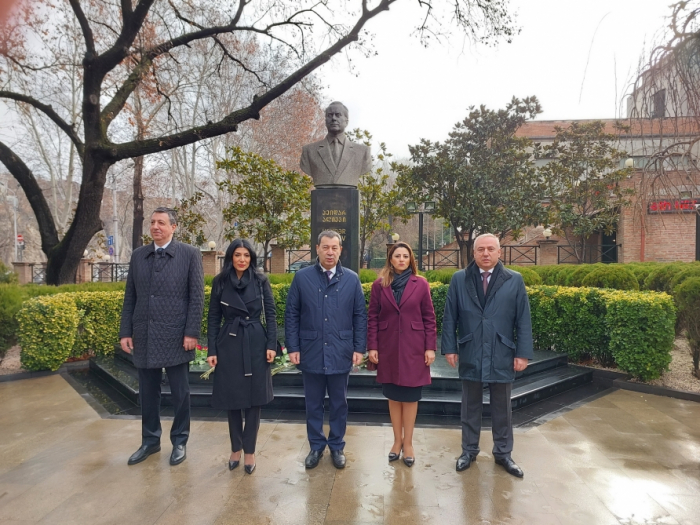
(336, 160)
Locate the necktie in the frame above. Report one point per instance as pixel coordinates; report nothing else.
(160, 252)
(328, 274)
(335, 150)
(485, 277)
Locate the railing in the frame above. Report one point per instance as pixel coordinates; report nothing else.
(38, 273)
(520, 255)
(440, 258)
(603, 253)
(109, 272)
(295, 258)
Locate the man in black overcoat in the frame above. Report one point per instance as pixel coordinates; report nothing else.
(160, 325)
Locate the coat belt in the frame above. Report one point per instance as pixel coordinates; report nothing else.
(235, 323)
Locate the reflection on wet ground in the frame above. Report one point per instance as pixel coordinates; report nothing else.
(621, 458)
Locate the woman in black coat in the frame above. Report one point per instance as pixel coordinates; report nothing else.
(241, 348)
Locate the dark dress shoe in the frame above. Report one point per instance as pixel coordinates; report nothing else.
(510, 466)
(393, 456)
(249, 468)
(338, 457)
(179, 454)
(233, 464)
(142, 453)
(409, 461)
(313, 458)
(464, 461)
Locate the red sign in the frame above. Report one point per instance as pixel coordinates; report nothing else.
(20, 237)
(674, 206)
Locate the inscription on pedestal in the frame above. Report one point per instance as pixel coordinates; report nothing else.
(338, 209)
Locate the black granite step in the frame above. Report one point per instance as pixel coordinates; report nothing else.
(546, 376)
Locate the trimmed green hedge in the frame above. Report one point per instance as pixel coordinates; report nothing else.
(635, 330)
(608, 276)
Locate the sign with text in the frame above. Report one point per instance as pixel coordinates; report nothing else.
(110, 240)
(674, 206)
(338, 209)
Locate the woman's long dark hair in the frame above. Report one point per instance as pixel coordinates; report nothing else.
(228, 260)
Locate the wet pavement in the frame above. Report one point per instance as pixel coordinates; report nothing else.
(623, 457)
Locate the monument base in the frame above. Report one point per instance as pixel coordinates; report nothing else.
(338, 209)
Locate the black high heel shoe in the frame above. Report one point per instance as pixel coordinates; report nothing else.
(233, 464)
(409, 461)
(249, 468)
(394, 456)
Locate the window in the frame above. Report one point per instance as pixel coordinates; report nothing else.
(658, 104)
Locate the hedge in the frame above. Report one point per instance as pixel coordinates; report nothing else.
(609, 276)
(633, 329)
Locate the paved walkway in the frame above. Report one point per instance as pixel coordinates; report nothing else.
(623, 458)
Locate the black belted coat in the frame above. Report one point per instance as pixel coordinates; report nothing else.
(242, 377)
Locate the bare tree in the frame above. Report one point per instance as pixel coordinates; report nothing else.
(115, 60)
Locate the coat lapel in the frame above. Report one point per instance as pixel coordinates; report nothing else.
(411, 287)
(233, 300)
(386, 290)
(471, 287)
(325, 152)
(501, 277)
(345, 157)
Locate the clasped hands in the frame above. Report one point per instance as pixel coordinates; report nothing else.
(188, 343)
(373, 356)
(212, 360)
(519, 363)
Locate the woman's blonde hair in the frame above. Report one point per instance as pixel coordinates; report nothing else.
(386, 274)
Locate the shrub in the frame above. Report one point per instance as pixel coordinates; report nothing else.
(579, 329)
(608, 276)
(641, 271)
(543, 311)
(659, 279)
(443, 275)
(576, 277)
(281, 278)
(100, 316)
(687, 296)
(11, 299)
(564, 274)
(692, 270)
(438, 294)
(367, 276)
(7, 275)
(47, 331)
(641, 330)
(209, 280)
(530, 277)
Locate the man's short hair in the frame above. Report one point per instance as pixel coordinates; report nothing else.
(336, 103)
(488, 235)
(172, 214)
(331, 235)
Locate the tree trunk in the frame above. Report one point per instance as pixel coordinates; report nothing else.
(64, 258)
(137, 236)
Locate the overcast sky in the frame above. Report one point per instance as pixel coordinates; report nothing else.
(577, 57)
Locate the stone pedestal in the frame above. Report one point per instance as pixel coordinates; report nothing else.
(278, 263)
(23, 271)
(84, 273)
(548, 252)
(338, 209)
(210, 262)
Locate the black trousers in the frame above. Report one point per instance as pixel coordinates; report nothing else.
(149, 395)
(244, 438)
(501, 417)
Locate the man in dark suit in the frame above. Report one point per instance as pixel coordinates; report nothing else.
(335, 160)
(487, 329)
(160, 325)
(325, 329)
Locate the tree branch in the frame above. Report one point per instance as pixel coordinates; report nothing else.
(49, 112)
(30, 186)
(230, 122)
(84, 26)
(114, 106)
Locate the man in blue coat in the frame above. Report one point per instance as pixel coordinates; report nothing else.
(325, 329)
(487, 330)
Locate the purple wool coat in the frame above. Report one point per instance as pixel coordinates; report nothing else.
(402, 334)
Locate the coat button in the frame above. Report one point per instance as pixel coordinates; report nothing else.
(247, 317)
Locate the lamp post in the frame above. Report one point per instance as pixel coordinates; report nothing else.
(420, 208)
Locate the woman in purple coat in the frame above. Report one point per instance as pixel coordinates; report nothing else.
(401, 338)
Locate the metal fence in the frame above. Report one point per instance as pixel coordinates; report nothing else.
(602, 253)
(438, 259)
(520, 255)
(38, 273)
(109, 272)
(297, 259)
